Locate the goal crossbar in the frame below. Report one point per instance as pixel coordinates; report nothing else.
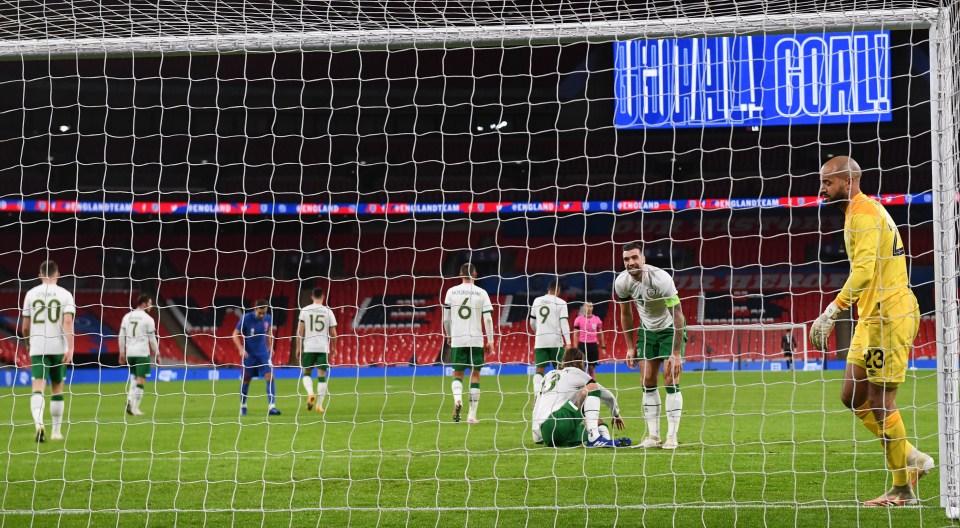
(466, 35)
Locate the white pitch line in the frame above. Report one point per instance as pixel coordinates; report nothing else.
(544, 452)
(847, 505)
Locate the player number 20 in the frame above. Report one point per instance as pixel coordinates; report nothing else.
(873, 359)
(52, 311)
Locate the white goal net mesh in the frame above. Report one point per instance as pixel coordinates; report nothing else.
(219, 157)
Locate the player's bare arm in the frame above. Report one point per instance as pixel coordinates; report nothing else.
(68, 335)
(298, 343)
(26, 326)
(333, 340)
(446, 324)
(122, 344)
(26, 333)
(674, 364)
(488, 329)
(629, 329)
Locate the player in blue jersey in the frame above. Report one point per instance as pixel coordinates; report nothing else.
(254, 339)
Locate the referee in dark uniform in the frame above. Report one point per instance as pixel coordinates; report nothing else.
(788, 344)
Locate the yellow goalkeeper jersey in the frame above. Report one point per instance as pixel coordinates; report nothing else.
(878, 263)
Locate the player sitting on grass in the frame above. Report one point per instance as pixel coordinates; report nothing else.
(567, 412)
(137, 339)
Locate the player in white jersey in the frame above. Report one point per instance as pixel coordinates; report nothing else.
(467, 318)
(317, 333)
(568, 401)
(48, 313)
(660, 340)
(549, 320)
(138, 340)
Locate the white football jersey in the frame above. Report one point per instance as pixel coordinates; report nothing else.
(650, 294)
(138, 330)
(559, 387)
(466, 304)
(45, 305)
(317, 321)
(551, 322)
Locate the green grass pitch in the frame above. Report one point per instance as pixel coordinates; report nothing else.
(757, 449)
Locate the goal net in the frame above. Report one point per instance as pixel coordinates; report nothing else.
(227, 159)
(772, 346)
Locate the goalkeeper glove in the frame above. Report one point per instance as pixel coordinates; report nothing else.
(823, 326)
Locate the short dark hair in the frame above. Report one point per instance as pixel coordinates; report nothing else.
(144, 298)
(468, 270)
(573, 357)
(317, 293)
(260, 302)
(630, 246)
(48, 268)
(554, 284)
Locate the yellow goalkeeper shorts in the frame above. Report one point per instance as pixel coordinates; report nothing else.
(881, 345)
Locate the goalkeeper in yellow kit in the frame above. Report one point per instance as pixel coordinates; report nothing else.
(886, 328)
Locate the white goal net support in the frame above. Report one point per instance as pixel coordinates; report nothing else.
(215, 154)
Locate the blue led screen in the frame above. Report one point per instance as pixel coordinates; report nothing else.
(804, 79)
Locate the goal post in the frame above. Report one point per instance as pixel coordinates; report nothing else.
(944, 115)
(741, 346)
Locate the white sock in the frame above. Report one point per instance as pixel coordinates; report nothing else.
(308, 384)
(137, 398)
(674, 409)
(131, 394)
(457, 387)
(591, 415)
(321, 392)
(604, 431)
(651, 411)
(36, 408)
(56, 412)
(131, 386)
(474, 402)
(537, 384)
